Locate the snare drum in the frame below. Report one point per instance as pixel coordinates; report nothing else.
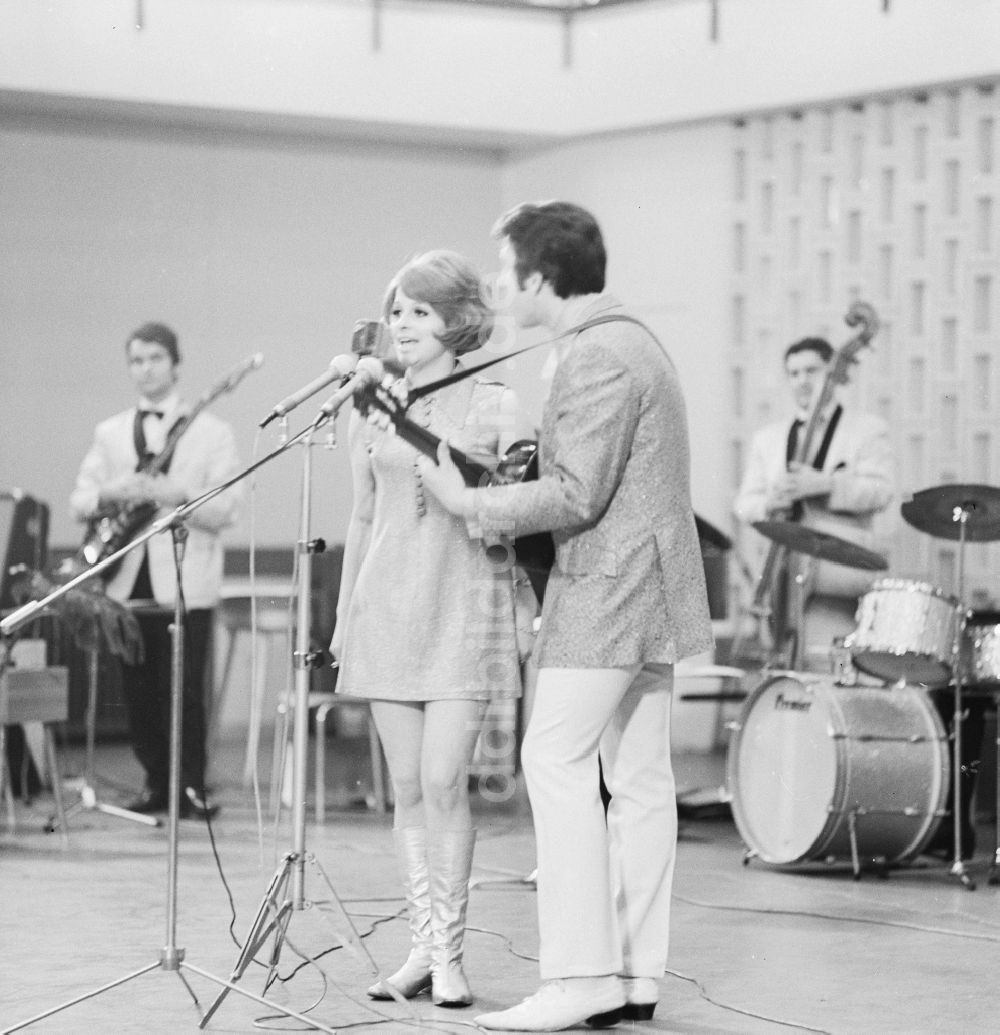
(906, 631)
(810, 759)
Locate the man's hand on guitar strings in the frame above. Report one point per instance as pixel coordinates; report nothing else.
(445, 481)
(164, 491)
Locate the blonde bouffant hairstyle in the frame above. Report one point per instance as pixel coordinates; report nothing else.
(451, 285)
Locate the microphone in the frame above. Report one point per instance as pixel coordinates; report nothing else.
(370, 371)
(340, 368)
(370, 338)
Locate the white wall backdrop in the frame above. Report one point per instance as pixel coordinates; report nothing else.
(658, 198)
(893, 201)
(242, 246)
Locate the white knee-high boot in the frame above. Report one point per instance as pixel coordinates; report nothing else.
(414, 976)
(449, 855)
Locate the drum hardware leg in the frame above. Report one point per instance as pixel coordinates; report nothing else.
(958, 866)
(799, 591)
(958, 870)
(960, 515)
(748, 854)
(89, 800)
(994, 877)
(852, 829)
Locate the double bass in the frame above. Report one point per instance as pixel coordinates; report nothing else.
(771, 601)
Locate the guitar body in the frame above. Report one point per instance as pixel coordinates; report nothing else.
(534, 553)
(114, 527)
(109, 530)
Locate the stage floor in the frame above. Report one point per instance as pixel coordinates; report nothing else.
(754, 949)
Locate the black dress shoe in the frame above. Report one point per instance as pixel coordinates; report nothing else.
(148, 801)
(641, 994)
(195, 805)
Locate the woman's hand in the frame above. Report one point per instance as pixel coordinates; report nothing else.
(445, 481)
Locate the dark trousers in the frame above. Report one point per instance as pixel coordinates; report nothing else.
(146, 689)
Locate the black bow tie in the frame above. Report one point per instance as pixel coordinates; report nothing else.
(153, 413)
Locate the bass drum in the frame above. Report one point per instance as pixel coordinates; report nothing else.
(811, 758)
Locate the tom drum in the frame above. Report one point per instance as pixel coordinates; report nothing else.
(811, 759)
(906, 631)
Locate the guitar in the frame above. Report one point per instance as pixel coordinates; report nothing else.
(775, 564)
(117, 524)
(534, 553)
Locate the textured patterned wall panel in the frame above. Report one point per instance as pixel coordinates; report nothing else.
(894, 201)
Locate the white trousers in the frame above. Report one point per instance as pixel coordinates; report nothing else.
(603, 885)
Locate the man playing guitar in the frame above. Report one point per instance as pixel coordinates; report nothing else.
(162, 452)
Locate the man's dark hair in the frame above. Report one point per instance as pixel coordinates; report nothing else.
(159, 333)
(559, 240)
(818, 345)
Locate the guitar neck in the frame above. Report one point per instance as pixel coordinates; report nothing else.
(227, 384)
(474, 473)
(159, 461)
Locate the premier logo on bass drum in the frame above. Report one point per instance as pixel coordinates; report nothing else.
(790, 704)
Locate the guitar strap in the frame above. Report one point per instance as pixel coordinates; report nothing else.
(460, 375)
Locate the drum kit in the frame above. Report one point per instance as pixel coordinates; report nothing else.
(825, 768)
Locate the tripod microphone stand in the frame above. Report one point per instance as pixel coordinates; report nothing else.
(171, 957)
(88, 800)
(285, 895)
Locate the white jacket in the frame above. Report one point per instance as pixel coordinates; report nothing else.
(860, 461)
(204, 458)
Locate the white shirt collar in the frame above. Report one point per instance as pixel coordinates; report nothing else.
(169, 407)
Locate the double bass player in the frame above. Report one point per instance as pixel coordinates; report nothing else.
(839, 484)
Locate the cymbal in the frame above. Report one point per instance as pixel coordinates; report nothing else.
(935, 511)
(822, 545)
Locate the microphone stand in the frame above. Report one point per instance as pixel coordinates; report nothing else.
(171, 957)
(285, 894)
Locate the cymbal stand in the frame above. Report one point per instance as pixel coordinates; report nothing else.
(88, 791)
(171, 957)
(285, 895)
(799, 572)
(785, 653)
(960, 514)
